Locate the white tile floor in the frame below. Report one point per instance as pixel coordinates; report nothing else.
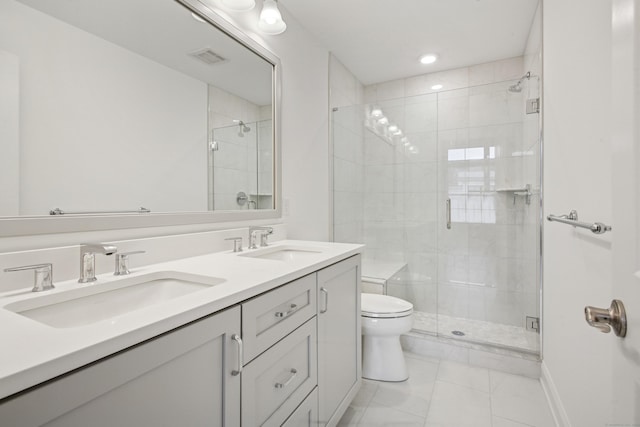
(441, 393)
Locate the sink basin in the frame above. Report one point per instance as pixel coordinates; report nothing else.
(101, 301)
(286, 253)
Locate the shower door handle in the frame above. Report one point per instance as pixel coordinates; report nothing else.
(448, 213)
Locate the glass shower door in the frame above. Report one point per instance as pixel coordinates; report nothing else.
(488, 220)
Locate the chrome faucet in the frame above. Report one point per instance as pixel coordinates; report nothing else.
(43, 278)
(88, 253)
(266, 231)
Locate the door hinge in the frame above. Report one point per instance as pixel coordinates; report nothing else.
(533, 105)
(533, 324)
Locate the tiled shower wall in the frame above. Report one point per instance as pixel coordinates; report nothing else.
(236, 162)
(464, 143)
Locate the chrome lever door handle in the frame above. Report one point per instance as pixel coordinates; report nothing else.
(606, 319)
(238, 340)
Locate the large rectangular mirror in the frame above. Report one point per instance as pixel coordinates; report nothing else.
(123, 109)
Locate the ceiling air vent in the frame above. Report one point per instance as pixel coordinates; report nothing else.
(208, 56)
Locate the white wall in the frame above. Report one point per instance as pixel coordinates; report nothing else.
(9, 133)
(92, 112)
(305, 118)
(577, 175)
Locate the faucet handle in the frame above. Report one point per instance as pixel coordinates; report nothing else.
(237, 243)
(264, 236)
(43, 275)
(122, 262)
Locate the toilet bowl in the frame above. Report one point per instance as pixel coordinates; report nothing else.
(384, 319)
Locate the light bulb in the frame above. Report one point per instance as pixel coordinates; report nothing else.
(393, 128)
(270, 18)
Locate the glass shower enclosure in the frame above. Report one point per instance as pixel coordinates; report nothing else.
(444, 190)
(240, 166)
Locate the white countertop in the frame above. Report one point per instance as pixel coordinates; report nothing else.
(33, 352)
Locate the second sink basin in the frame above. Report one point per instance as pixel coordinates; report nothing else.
(101, 301)
(287, 253)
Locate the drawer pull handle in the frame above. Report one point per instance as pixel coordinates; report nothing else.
(326, 300)
(237, 339)
(288, 381)
(292, 309)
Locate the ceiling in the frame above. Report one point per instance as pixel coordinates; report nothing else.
(381, 40)
(165, 32)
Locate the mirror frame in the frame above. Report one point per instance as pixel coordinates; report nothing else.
(31, 225)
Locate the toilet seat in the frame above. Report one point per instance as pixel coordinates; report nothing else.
(384, 306)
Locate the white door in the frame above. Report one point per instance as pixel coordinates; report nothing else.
(626, 208)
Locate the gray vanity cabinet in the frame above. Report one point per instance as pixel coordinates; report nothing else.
(339, 349)
(183, 377)
(301, 366)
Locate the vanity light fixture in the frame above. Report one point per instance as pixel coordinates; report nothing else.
(270, 18)
(436, 87)
(428, 59)
(239, 5)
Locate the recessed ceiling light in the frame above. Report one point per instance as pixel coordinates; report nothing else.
(436, 87)
(428, 59)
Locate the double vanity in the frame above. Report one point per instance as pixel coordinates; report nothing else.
(269, 336)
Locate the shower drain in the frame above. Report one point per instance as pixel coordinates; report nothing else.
(458, 333)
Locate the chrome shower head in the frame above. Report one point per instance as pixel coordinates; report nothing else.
(243, 128)
(517, 88)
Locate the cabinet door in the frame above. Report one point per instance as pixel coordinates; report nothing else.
(339, 340)
(183, 377)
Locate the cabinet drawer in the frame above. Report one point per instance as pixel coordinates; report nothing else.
(274, 384)
(307, 413)
(269, 317)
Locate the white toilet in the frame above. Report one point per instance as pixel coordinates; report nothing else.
(384, 319)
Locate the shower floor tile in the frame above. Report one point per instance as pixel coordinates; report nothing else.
(477, 331)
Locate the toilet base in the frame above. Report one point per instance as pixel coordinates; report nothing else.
(382, 359)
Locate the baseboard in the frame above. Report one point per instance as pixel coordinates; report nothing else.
(553, 397)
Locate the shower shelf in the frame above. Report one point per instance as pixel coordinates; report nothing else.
(524, 192)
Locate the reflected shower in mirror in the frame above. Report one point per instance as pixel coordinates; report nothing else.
(113, 106)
